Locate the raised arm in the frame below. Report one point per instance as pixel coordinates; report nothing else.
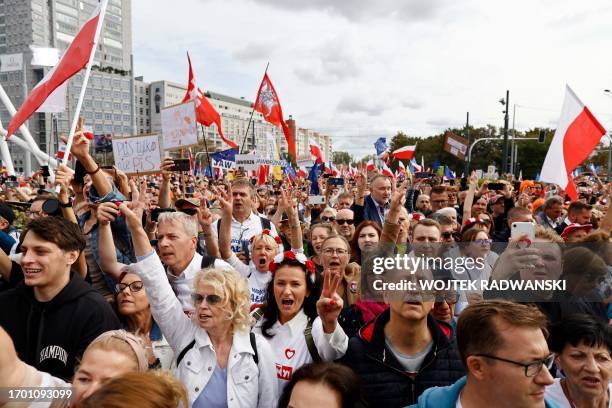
(294, 219)
(225, 222)
(80, 150)
(106, 213)
(205, 221)
(164, 188)
(391, 225)
(469, 197)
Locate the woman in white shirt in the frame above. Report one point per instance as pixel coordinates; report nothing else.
(299, 328)
(220, 363)
(582, 346)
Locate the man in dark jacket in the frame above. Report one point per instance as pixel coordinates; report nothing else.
(402, 353)
(373, 207)
(53, 315)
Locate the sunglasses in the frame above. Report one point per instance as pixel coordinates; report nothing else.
(135, 286)
(210, 299)
(447, 235)
(189, 211)
(328, 219)
(347, 221)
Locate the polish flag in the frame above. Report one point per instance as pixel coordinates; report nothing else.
(386, 171)
(351, 170)
(370, 165)
(205, 112)
(334, 171)
(577, 135)
(406, 152)
(316, 151)
(61, 152)
(402, 168)
(302, 173)
(417, 168)
(74, 59)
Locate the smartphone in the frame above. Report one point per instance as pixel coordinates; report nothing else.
(181, 165)
(422, 174)
(155, 213)
(317, 199)
(495, 186)
(12, 184)
(523, 228)
(336, 181)
(45, 171)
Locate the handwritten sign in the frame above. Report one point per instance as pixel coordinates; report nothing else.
(179, 126)
(137, 155)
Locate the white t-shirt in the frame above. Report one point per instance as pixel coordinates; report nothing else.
(242, 232)
(554, 393)
(258, 281)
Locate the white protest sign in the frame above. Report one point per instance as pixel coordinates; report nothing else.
(305, 161)
(479, 174)
(179, 126)
(137, 155)
(247, 162)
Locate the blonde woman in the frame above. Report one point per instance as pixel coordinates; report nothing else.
(220, 363)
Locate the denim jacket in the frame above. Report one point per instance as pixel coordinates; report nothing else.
(125, 254)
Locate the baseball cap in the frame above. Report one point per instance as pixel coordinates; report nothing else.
(575, 227)
(183, 201)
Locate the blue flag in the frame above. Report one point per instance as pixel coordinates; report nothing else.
(313, 176)
(229, 155)
(448, 173)
(436, 165)
(381, 145)
(537, 177)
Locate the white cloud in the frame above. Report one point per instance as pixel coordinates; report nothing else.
(359, 70)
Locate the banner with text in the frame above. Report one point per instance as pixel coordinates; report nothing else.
(179, 126)
(137, 155)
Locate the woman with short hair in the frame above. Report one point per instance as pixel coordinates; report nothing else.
(218, 360)
(582, 345)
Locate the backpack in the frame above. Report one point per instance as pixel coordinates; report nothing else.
(190, 346)
(312, 347)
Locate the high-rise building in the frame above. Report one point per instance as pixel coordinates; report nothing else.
(108, 105)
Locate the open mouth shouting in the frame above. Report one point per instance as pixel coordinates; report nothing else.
(287, 304)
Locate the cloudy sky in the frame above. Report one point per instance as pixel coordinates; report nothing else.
(361, 69)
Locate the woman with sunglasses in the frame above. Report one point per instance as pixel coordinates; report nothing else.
(219, 362)
(135, 311)
(583, 346)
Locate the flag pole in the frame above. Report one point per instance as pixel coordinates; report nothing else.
(207, 155)
(246, 133)
(75, 118)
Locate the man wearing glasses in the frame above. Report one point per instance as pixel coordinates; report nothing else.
(345, 223)
(503, 346)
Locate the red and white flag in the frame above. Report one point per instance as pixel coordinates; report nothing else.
(351, 170)
(402, 168)
(74, 59)
(316, 151)
(268, 104)
(205, 112)
(577, 134)
(406, 152)
(386, 171)
(370, 165)
(61, 151)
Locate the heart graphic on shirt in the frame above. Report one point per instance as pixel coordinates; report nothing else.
(289, 353)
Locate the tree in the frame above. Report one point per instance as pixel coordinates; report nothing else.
(342, 158)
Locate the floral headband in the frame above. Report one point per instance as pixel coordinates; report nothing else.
(278, 239)
(300, 257)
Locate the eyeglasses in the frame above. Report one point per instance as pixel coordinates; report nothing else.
(332, 251)
(450, 298)
(210, 299)
(327, 219)
(531, 369)
(447, 235)
(189, 211)
(483, 242)
(346, 221)
(135, 286)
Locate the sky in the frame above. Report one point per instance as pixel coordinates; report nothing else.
(361, 69)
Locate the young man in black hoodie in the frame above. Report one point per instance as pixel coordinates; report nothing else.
(53, 315)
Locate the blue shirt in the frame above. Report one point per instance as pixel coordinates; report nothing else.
(214, 395)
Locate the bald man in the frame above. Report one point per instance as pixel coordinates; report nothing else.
(345, 223)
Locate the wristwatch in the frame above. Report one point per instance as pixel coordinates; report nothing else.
(66, 205)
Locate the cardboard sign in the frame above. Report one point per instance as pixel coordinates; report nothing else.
(137, 155)
(455, 145)
(179, 126)
(305, 161)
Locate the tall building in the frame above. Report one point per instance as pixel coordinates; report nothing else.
(108, 105)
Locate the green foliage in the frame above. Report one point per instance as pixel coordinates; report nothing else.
(342, 158)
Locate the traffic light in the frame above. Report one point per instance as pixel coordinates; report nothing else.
(542, 136)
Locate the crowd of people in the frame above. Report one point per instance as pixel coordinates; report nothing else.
(174, 290)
